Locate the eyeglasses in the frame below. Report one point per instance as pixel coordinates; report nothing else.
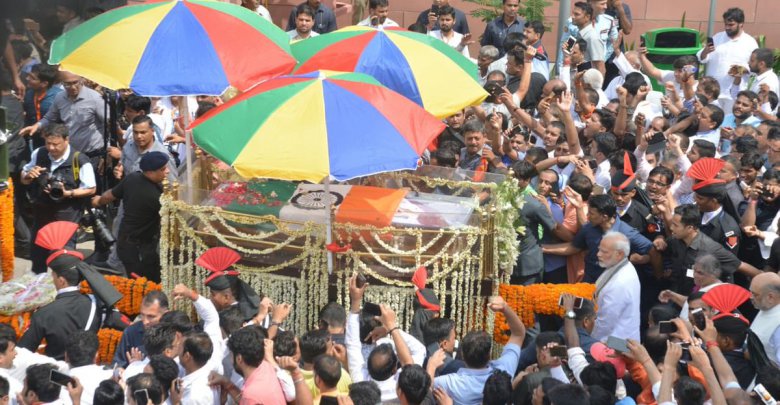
(651, 182)
(71, 84)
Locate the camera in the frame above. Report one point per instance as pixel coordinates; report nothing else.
(96, 219)
(56, 185)
(494, 88)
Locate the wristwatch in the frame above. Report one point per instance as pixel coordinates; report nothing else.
(570, 315)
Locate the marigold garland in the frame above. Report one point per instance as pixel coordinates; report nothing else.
(132, 290)
(19, 322)
(7, 231)
(527, 301)
(109, 339)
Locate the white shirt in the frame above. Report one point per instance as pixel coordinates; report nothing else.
(618, 304)
(769, 77)
(86, 174)
(90, 377)
(603, 178)
(728, 52)
(207, 312)
(14, 386)
(358, 352)
(196, 390)
(706, 217)
(453, 41)
(295, 36)
(712, 137)
(263, 12)
(25, 358)
(765, 326)
(388, 23)
(135, 368)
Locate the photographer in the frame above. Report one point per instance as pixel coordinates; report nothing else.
(61, 179)
(139, 231)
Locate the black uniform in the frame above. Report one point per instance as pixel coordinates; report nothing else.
(56, 321)
(639, 217)
(724, 229)
(683, 258)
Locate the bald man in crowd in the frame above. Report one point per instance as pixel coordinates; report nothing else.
(765, 295)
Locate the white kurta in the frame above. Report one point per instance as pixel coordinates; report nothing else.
(618, 303)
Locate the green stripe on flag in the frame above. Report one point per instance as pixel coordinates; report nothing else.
(73, 39)
(238, 123)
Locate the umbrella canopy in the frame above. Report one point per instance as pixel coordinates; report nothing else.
(422, 68)
(167, 48)
(315, 126)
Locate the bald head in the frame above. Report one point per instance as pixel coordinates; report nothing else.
(765, 289)
(72, 83)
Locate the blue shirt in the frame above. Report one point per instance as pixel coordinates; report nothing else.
(465, 387)
(324, 20)
(589, 237)
(496, 30)
(132, 337)
(29, 104)
(528, 355)
(730, 121)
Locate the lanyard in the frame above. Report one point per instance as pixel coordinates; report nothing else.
(37, 103)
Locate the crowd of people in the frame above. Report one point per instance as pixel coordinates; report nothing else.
(660, 187)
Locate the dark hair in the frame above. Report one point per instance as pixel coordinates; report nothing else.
(685, 60)
(732, 328)
(773, 133)
(600, 396)
(417, 27)
(313, 344)
(524, 170)
(203, 108)
(46, 73)
(705, 148)
(585, 7)
(616, 160)
(373, 4)
(436, 330)
(447, 10)
(545, 338)
(445, 157)
(81, 348)
(582, 185)
(537, 26)
(536, 154)
(688, 391)
(601, 373)
(769, 377)
(164, 369)
(199, 346)
(415, 383)
(498, 389)
(37, 381)
(606, 118)
(752, 159)
(146, 381)
(588, 310)
(328, 369)
(604, 204)
(582, 45)
(108, 392)
(179, 321)
(382, 362)
(606, 143)
(56, 130)
(248, 342)
(304, 8)
(284, 343)
(710, 87)
(746, 145)
(716, 114)
(7, 336)
(365, 393)
(567, 394)
(157, 338)
(689, 215)
(231, 319)
(5, 387)
(22, 49)
(633, 82)
(662, 313)
(143, 119)
(771, 174)
(333, 314)
(592, 95)
(155, 296)
(475, 347)
(139, 103)
(734, 14)
(513, 40)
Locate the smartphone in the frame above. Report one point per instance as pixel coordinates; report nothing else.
(690, 69)
(577, 302)
(61, 378)
(115, 372)
(559, 351)
(697, 318)
(710, 41)
(617, 344)
(570, 42)
(767, 193)
(642, 42)
(667, 327)
(584, 66)
(141, 396)
(435, 10)
(372, 309)
(360, 281)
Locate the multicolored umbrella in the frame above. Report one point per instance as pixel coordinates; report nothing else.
(422, 68)
(317, 126)
(165, 48)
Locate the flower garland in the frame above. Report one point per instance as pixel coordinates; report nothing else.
(108, 340)
(527, 301)
(19, 322)
(132, 290)
(7, 231)
(507, 224)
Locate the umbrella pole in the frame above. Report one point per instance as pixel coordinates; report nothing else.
(328, 230)
(184, 109)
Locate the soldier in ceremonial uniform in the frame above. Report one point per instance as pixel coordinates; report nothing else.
(633, 206)
(717, 212)
(71, 310)
(227, 289)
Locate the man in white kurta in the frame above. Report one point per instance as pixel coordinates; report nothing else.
(765, 295)
(732, 46)
(617, 291)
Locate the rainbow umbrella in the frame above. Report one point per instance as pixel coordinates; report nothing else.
(165, 48)
(317, 126)
(422, 68)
